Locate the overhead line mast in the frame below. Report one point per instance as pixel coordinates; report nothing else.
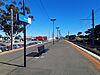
(93, 43)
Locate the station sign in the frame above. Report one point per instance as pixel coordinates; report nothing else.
(24, 18)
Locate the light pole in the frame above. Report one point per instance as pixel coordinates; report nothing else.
(24, 35)
(53, 28)
(57, 32)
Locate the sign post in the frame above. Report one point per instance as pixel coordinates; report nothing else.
(11, 29)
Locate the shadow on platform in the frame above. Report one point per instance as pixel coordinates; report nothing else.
(11, 64)
(33, 54)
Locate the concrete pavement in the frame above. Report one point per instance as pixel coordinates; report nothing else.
(61, 59)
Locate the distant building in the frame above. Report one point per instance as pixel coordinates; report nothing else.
(41, 38)
(36, 38)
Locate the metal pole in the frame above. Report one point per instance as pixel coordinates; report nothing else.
(92, 41)
(24, 35)
(57, 32)
(93, 28)
(53, 28)
(53, 32)
(11, 29)
(68, 35)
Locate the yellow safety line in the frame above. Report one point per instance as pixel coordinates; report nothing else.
(88, 56)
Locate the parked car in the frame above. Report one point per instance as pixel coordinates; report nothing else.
(31, 43)
(7, 41)
(0, 51)
(15, 46)
(16, 41)
(3, 47)
(39, 42)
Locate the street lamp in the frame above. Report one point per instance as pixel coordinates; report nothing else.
(57, 32)
(53, 28)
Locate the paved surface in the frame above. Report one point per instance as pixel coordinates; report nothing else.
(61, 59)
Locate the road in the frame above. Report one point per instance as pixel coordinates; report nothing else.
(61, 59)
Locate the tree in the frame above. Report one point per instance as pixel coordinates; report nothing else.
(0, 36)
(72, 37)
(1, 2)
(89, 31)
(79, 33)
(5, 18)
(66, 36)
(97, 31)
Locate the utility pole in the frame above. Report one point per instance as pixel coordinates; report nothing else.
(93, 43)
(93, 28)
(53, 29)
(24, 35)
(11, 29)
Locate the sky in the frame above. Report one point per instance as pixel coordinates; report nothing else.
(68, 15)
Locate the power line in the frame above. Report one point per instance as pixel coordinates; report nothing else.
(92, 27)
(87, 18)
(97, 10)
(44, 8)
(97, 17)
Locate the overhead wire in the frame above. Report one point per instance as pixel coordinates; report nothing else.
(85, 22)
(42, 5)
(45, 11)
(96, 12)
